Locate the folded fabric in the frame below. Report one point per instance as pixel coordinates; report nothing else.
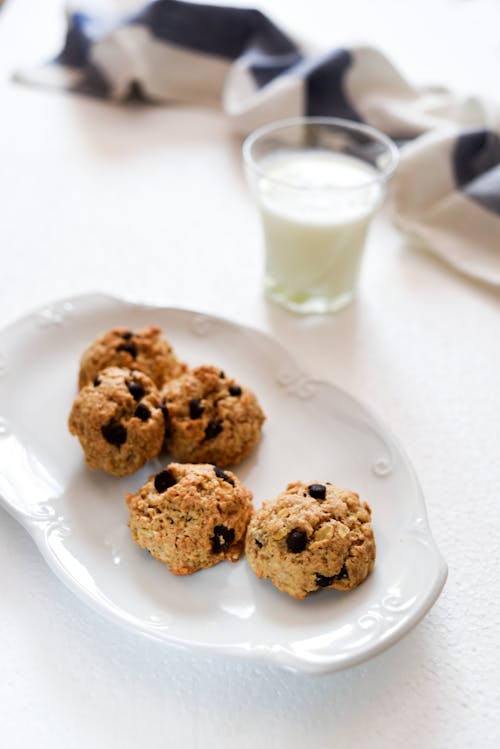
(446, 193)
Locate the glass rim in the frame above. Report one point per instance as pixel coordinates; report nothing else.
(337, 122)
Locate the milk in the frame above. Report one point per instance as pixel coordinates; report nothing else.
(316, 207)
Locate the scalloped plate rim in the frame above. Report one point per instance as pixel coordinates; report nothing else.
(272, 655)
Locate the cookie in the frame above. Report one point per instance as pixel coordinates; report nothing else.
(212, 418)
(312, 536)
(191, 516)
(119, 421)
(144, 350)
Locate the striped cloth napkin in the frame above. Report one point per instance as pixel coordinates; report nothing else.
(446, 193)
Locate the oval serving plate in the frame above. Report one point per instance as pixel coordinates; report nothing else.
(314, 431)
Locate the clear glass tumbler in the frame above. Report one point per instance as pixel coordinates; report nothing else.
(318, 182)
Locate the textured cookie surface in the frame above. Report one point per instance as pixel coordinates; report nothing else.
(213, 419)
(191, 516)
(119, 420)
(144, 350)
(312, 536)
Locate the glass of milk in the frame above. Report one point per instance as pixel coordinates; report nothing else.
(318, 183)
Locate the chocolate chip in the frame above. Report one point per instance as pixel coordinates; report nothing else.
(142, 412)
(222, 539)
(296, 541)
(97, 381)
(223, 475)
(164, 480)
(324, 582)
(195, 408)
(213, 429)
(127, 335)
(317, 491)
(259, 543)
(222, 375)
(115, 434)
(136, 390)
(130, 348)
(235, 390)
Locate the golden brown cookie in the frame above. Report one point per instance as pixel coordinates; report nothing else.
(312, 536)
(212, 419)
(144, 350)
(191, 516)
(119, 420)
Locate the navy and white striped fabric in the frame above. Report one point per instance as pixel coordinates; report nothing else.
(446, 193)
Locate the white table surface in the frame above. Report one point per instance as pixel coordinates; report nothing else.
(150, 203)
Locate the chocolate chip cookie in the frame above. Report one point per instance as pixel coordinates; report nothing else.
(212, 418)
(119, 420)
(145, 350)
(312, 536)
(191, 516)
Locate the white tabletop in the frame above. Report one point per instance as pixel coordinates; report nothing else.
(150, 203)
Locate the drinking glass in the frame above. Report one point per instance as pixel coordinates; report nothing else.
(318, 182)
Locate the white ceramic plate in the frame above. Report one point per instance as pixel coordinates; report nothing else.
(314, 431)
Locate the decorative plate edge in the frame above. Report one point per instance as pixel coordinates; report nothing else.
(302, 386)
